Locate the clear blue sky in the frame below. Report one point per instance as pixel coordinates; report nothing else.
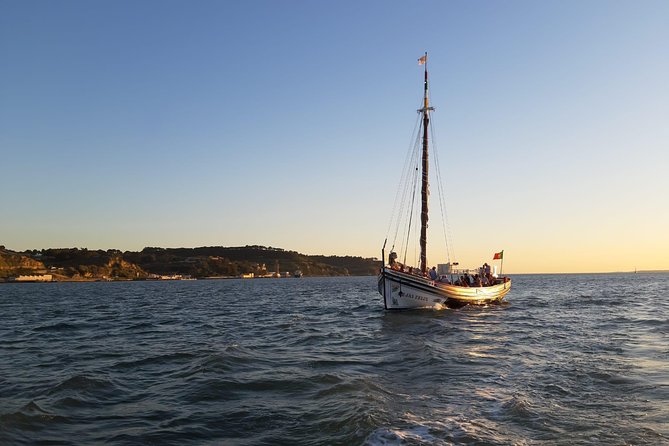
(126, 124)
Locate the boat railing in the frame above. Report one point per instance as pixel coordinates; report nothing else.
(463, 271)
(453, 272)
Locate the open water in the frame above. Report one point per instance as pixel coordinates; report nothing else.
(571, 359)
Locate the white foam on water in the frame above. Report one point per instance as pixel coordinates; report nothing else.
(389, 436)
(417, 433)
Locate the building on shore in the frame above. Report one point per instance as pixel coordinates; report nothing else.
(34, 278)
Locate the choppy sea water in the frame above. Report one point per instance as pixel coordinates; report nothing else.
(571, 359)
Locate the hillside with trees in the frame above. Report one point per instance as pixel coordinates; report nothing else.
(202, 262)
(233, 261)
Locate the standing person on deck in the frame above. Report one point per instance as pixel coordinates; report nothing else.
(392, 259)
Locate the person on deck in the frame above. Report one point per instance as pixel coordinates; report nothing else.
(463, 281)
(433, 273)
(392, 259)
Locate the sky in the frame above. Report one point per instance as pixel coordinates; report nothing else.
(126, 124)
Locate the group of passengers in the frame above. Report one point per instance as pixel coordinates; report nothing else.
(476, 280)
(483, 278)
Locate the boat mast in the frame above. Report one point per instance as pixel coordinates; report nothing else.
(424, 187)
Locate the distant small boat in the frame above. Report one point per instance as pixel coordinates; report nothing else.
(405, 287)
(297, 273)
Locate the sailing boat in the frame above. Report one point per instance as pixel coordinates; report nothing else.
(405, 287)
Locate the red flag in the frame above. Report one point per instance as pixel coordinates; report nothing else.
(498, 255)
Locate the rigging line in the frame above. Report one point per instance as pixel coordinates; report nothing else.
(410, 181)
(413, 200)
(402, 218)
(407, 172)
(417, 226)
(442, 198)
(415, 187)
(405, 242)
(410, 208)
(402, 186)
(409, 189)
(448, 237)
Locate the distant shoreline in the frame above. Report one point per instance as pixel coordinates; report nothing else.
(663, 271)
(17, 282)
(154, 263)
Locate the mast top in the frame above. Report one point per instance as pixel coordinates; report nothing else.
(426, 102)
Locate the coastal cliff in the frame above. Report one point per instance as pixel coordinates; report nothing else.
(69, 264)
(14, 264)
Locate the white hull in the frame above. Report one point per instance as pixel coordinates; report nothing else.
(402, 291)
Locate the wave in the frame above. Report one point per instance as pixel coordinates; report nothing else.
(450, 429)
(517, 408)
(19, 425)
(59, 326)
(83, 384)
(415, 435)
(155, 360)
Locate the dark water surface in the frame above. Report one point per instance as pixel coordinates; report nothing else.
(571, 359)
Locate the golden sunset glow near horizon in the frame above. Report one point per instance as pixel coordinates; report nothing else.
(288, 128)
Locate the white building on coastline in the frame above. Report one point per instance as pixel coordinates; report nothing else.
(34, 278)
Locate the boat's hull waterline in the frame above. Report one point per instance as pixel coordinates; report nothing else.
(402, 291)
